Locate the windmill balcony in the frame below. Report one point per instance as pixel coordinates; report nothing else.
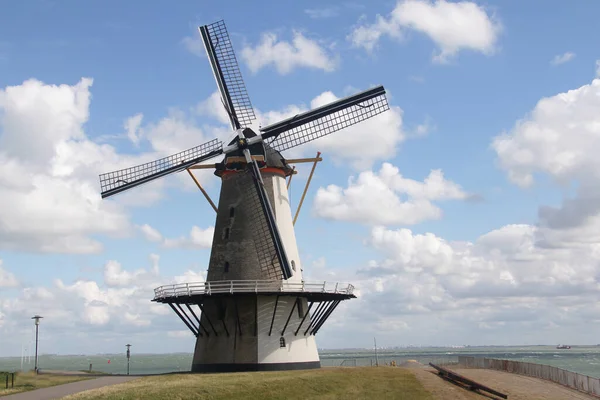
(247, 287)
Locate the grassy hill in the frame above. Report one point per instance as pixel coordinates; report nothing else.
(326, 383)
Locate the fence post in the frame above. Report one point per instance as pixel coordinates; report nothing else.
(12, 380)
(7, 380)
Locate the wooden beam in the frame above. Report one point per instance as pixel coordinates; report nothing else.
(202, 190)
(303, 160)
(203, 166)
(312, 171)
(465, 382)
(292, 174)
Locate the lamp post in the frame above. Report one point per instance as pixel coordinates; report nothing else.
(128, 356)
(37, 326)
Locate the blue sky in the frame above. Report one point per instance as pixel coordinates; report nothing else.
(143, 58)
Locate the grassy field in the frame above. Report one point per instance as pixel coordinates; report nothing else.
(326, 383)
(25, 381)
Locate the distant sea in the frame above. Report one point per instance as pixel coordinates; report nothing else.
(582, 359)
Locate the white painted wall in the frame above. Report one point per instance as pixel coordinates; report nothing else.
(298, 348)
(283, 215)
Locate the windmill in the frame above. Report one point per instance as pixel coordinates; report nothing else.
(253, 312)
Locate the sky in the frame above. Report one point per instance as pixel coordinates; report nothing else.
(467, 214)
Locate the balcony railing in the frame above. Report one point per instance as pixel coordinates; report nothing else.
(219, 287)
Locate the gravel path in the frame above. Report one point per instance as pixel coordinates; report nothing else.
(517, 387)
(56, 392)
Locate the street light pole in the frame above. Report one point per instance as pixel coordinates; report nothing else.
(37, 325)
(128, 356)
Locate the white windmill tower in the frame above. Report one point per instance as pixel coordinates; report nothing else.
(254, 310)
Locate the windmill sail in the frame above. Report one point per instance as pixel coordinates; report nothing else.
(115, 182)
(227, 74)
(267, 239)
(327, 119)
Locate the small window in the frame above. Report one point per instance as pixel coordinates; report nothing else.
(226, 233)
(231, 212)
(282, 342)
(226, 266)
(293, 265)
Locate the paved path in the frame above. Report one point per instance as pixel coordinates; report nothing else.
(517, 387)
(59, 391)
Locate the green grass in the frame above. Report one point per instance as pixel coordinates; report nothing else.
(25, 381)
(326, 383)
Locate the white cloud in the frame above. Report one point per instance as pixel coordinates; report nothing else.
(562, 58)
(49, 189)
(194, 44)
(506, 281)
(386, 198)
(150, 233)
(49, 199)
(502, 263)
(453, 26)
(115, 275)
(198, 238)
(213, 107)
(518, 278)
(7, 278)
(191, 276)
(369, 141)
(93, 312)
(132, 126)
(560, 137)
(286, 56)
(424, 128)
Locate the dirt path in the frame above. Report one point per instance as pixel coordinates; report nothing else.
(59, 391)
(441, 389)
(517, 387)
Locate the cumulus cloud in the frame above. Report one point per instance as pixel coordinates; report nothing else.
(49, 190)
(559, 138)
(541, 279)
(115, 275)
(132, 127)
(369, 141)
(198, 238)
(91, 313)
(194, 45)
(452, 26)
(502, 263)
(386, 197)
(286, 56)
(503, 278)
(49, 179)
(49, 198)
(562, 58)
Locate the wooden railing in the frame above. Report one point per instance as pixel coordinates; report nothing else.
(215, 287)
